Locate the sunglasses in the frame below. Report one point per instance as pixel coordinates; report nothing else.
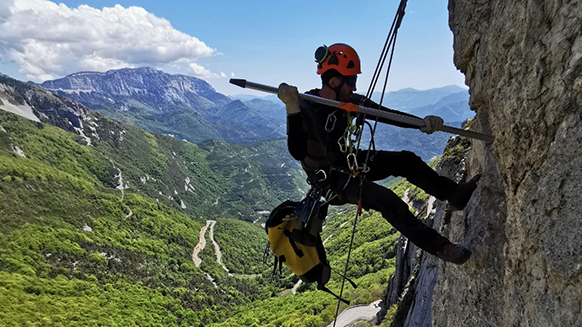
(351, 80)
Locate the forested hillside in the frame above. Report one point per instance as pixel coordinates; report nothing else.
(73, 248)
(85, 251)
(214, 179)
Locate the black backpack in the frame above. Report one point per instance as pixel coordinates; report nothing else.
(296, 241)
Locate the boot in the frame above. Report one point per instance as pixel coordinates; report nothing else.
(454, 253)
(463, 193)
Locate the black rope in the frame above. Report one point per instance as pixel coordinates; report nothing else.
(389, 46)
(350, 250)
(390, 40)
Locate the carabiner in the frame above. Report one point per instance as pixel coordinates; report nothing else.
(352, 164)
(317, 172)
(343, 145)
(331, 118)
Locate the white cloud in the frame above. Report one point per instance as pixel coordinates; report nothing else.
(49, 40)
(203, 72)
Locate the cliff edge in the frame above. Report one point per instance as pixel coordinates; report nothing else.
(523, 65)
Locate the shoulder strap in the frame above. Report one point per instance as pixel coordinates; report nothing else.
(325, 289)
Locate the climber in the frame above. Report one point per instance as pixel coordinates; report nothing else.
(313, 132)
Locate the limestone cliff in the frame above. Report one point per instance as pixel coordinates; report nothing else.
(523, 64)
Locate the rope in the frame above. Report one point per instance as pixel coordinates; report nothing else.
(389, 46)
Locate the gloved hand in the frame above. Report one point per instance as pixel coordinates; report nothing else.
(432, 124)
(290, 96)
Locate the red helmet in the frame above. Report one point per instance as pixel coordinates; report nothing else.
(338, 56)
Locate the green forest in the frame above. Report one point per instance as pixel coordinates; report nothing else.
(79, 248)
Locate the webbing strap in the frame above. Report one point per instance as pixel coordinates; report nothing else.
(293, 245)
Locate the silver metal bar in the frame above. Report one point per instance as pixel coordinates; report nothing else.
(365, 110)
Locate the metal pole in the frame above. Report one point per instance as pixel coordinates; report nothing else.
(365, 110)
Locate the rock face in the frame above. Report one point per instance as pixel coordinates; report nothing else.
(41, 105)
(158, 90)
(523, 64)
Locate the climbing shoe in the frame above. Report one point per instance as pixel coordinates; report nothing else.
(456, 254)
(463, 193)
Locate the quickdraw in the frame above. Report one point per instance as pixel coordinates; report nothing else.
(349, 144)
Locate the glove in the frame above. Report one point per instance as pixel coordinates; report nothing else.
(432, 124)
(290, 97)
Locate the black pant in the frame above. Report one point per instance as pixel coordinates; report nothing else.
(404, 164)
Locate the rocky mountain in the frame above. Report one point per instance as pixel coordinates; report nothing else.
(152, 89)
(523, 67)
(183, 106)
(188, 108)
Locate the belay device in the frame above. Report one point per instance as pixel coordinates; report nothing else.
(295, 240)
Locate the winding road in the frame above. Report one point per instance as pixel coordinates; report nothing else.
(216, 247)
(201, 243)
(359, 312)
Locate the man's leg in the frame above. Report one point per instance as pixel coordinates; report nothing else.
(410, 166)
(396, 212)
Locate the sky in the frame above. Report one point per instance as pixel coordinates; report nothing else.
(267, 42)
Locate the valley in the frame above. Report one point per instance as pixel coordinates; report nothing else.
(100, 218)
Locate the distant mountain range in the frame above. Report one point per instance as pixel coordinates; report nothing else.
(247, 97)
(182, 106)
(155, 90)
(450, 102)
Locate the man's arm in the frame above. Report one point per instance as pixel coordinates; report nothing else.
(296, 136)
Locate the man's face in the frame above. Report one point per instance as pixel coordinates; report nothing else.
(348, 88)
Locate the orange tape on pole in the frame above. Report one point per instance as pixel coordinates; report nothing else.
(348, 107)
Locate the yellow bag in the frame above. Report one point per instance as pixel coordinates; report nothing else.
(308, 262)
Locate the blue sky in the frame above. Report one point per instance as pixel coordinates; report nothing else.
(263, 41)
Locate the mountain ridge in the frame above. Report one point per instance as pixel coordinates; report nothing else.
(161, 91)
(171, 104)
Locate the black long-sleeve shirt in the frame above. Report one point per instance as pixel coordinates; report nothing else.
(317, 148)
